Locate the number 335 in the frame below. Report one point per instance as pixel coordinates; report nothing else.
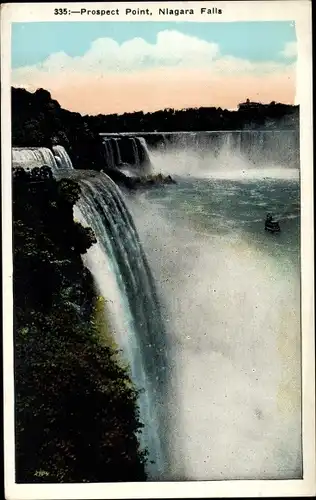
(60, 11)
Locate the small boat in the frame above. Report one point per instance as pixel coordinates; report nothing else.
(271, 225)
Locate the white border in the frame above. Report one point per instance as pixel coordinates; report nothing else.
(298, 11)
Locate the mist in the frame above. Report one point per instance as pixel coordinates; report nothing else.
(231, 155)
(232, 316)
(231, 300)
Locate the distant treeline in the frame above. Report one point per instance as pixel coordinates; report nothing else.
(248, 116)
(38, 120)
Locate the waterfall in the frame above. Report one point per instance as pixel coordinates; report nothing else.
(145, 149)
(211, 152)
(135, 151)
(122, 276)
(228, 145)
(130, 151)
(109, 157)
(61, 154)
(259, 146)
(277, 146)
(118, 152)
(29, 158)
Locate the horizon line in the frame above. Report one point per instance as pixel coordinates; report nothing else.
(230, 110)
(116, 134)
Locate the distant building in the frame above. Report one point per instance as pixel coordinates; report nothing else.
(250, 105)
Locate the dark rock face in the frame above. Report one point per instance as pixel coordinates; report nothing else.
(139, 182)
(155, 180)
(76, 416)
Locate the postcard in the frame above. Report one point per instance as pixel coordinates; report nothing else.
(158, 250)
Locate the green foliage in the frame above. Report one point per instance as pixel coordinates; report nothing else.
(76, 409)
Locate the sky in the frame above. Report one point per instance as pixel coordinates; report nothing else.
(117, 67)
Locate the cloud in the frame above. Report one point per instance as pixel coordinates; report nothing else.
(164, 71)
(172, 49)
(290, 50)
(105, 55)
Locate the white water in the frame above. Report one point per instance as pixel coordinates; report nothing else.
(145, 149)
(234, 331)
(118, 152)
(61, 153)
(135, 150)
(109, 157)
(232, 155)
(233, 399)
(122, 277)
(30, 158)
(232, 309)
(115, 152)
(225, 166)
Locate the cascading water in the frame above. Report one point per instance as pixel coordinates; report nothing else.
(29, 158)
(109, 157)
(135, 151)
(226, 152)
(61, 154)
(257, 146)
(126, 151)
(122, 275)
(118, 152)
(146, 152)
